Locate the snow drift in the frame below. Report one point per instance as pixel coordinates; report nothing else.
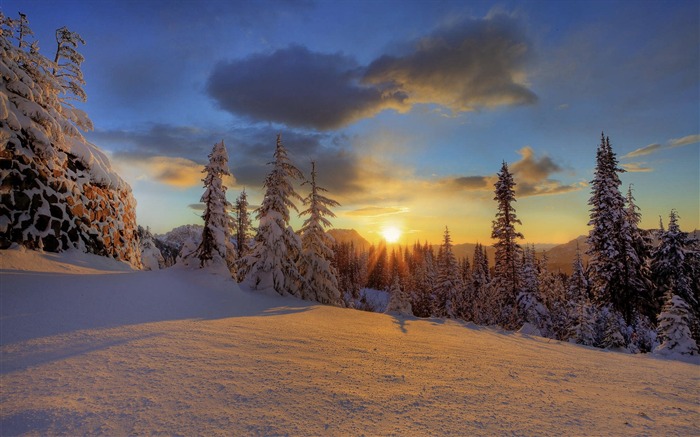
(89, 346)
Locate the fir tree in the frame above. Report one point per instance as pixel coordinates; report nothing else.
(242, 224)
(67, 63)
(272, 262)
(530, 304)
(398, 300)
(216, 245)
(447, 295)
(508, 252)
(638, 252)
(315, 266)
(674, 328)
(672, 268)
(609, 239)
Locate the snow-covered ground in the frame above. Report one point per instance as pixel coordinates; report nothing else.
(91, 347)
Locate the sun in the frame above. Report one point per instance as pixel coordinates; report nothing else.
(391, 234)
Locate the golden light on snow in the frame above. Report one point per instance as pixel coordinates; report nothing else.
(391, 234)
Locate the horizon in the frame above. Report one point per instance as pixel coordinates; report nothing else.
(408, 119)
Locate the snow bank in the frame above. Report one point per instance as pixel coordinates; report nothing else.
(180, 351)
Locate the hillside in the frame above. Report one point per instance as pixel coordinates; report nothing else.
(349, 236)
(107, 350)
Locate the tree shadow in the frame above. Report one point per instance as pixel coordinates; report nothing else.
(37, 305)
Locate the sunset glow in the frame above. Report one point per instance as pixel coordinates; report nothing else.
(407, 120)
(391, 234)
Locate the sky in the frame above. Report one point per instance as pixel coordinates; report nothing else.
(409, 108)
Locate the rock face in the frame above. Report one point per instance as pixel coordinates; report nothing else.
(58, 190)
(53, 203)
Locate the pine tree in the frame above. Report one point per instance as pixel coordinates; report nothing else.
(315, 263)
(508, 252)
(67, 62)
(272, 262)
(242, 224)
(638, 253)
(530, 305)
(674, 328)
(447, 295)
(216, 244)
(398, 300)
(609, 239)
(672, 268)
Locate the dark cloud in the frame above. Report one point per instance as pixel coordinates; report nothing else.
(173, 152)
(471, 182)
(532, 175)
(299, 88)
(472, 64)
(532, 169)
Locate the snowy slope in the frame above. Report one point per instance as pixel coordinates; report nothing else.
(89, 348)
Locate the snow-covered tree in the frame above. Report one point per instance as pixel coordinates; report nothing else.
(609, 240)
(506, 278)
(216, 244)
(151, 256)
(669, 264)
(448, 292)
(674, 328)
(637, 244)
(674, 268)
(67, 62)
(315, 262)
(530, 305)
(272, 262)
(242, 224)
(399, 302)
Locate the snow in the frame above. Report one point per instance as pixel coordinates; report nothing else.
(88, 346)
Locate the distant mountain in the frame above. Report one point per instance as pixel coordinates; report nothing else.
(349, 235)
(560, 258)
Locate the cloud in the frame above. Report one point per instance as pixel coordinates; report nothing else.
(299, 88)
(533, 169)
(636, 167)
(469, 65)
(471, 182)
(376, 211)
(250, 149)
(176, 172)
(642, 151)
(196, 206)
(532, 175)
(656, 147)
(685, 141)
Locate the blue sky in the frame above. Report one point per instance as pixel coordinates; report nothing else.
(409, 108)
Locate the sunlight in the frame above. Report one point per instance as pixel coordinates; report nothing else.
(391, 234)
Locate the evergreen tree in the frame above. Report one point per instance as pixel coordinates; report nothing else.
(674, 328)
(609, 239)
(673, 269)
(242, 224)
(399, 302)
(67, 62)
(216, 244)
(315, 266)
(638, 253)
(447, 295)
(530, 304)
(272, 262)
(508, 252)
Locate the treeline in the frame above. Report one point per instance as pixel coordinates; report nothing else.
(632, 294)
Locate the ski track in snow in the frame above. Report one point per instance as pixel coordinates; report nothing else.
(90, 348)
